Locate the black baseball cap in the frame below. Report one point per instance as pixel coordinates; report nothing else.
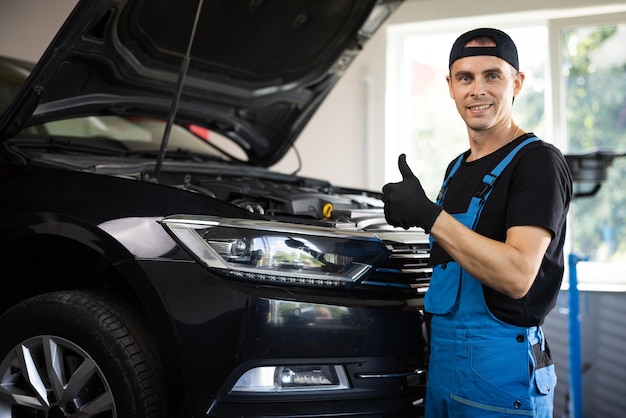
(505, 47)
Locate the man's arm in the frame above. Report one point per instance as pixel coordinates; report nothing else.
(509, 267)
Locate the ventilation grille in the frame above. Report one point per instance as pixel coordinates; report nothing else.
(406, 268)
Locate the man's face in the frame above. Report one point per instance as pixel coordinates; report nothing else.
(483, 88)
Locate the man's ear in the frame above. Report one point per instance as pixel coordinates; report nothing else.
(518, 82)
(449, 80)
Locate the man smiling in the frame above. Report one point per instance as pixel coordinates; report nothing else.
(497, 234)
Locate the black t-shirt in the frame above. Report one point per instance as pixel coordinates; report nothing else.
(534, 189)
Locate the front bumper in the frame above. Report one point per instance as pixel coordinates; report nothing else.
(225, 328)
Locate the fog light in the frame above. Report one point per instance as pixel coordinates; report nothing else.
(292, 378)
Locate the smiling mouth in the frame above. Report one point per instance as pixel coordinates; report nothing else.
(480, 107)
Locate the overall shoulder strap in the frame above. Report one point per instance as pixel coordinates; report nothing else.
(444, 185)
(489, 180)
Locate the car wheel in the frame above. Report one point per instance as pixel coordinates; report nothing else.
(74, 353)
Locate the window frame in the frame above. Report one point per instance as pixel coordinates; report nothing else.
(587, 272)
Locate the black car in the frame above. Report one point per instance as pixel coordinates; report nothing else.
(152, 265)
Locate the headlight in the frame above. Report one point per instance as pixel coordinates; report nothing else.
(278, 252)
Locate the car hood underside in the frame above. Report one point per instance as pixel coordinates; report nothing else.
(253, 71)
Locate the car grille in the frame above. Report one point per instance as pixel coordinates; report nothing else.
(406, 267)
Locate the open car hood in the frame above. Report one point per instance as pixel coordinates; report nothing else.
(252, 70)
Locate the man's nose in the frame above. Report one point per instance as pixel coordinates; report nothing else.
(478, 89)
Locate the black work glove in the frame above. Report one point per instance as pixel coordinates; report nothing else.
(406, 204)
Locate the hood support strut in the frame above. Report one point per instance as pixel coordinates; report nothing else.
(176, 99)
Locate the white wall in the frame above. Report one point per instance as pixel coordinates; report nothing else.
(345, 140)
(27, 26)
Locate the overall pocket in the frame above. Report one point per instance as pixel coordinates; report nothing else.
(443, 291)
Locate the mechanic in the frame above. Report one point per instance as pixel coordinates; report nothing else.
(497, 233)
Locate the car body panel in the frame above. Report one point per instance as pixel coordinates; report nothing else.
(205, 321)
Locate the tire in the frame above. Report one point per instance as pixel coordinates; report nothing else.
(75, 353)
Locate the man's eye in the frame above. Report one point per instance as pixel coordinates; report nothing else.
(493, 76)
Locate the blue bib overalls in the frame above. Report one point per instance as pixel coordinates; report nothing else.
(480, 366)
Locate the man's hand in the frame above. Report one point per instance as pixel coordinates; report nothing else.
(406, 204)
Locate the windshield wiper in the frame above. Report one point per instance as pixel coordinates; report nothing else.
(178, 154)
(65, 144)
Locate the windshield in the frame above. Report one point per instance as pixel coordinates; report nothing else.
(131, 134)
(135, 135)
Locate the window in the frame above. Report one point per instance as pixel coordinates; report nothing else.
(573, 96)
(592, 93)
